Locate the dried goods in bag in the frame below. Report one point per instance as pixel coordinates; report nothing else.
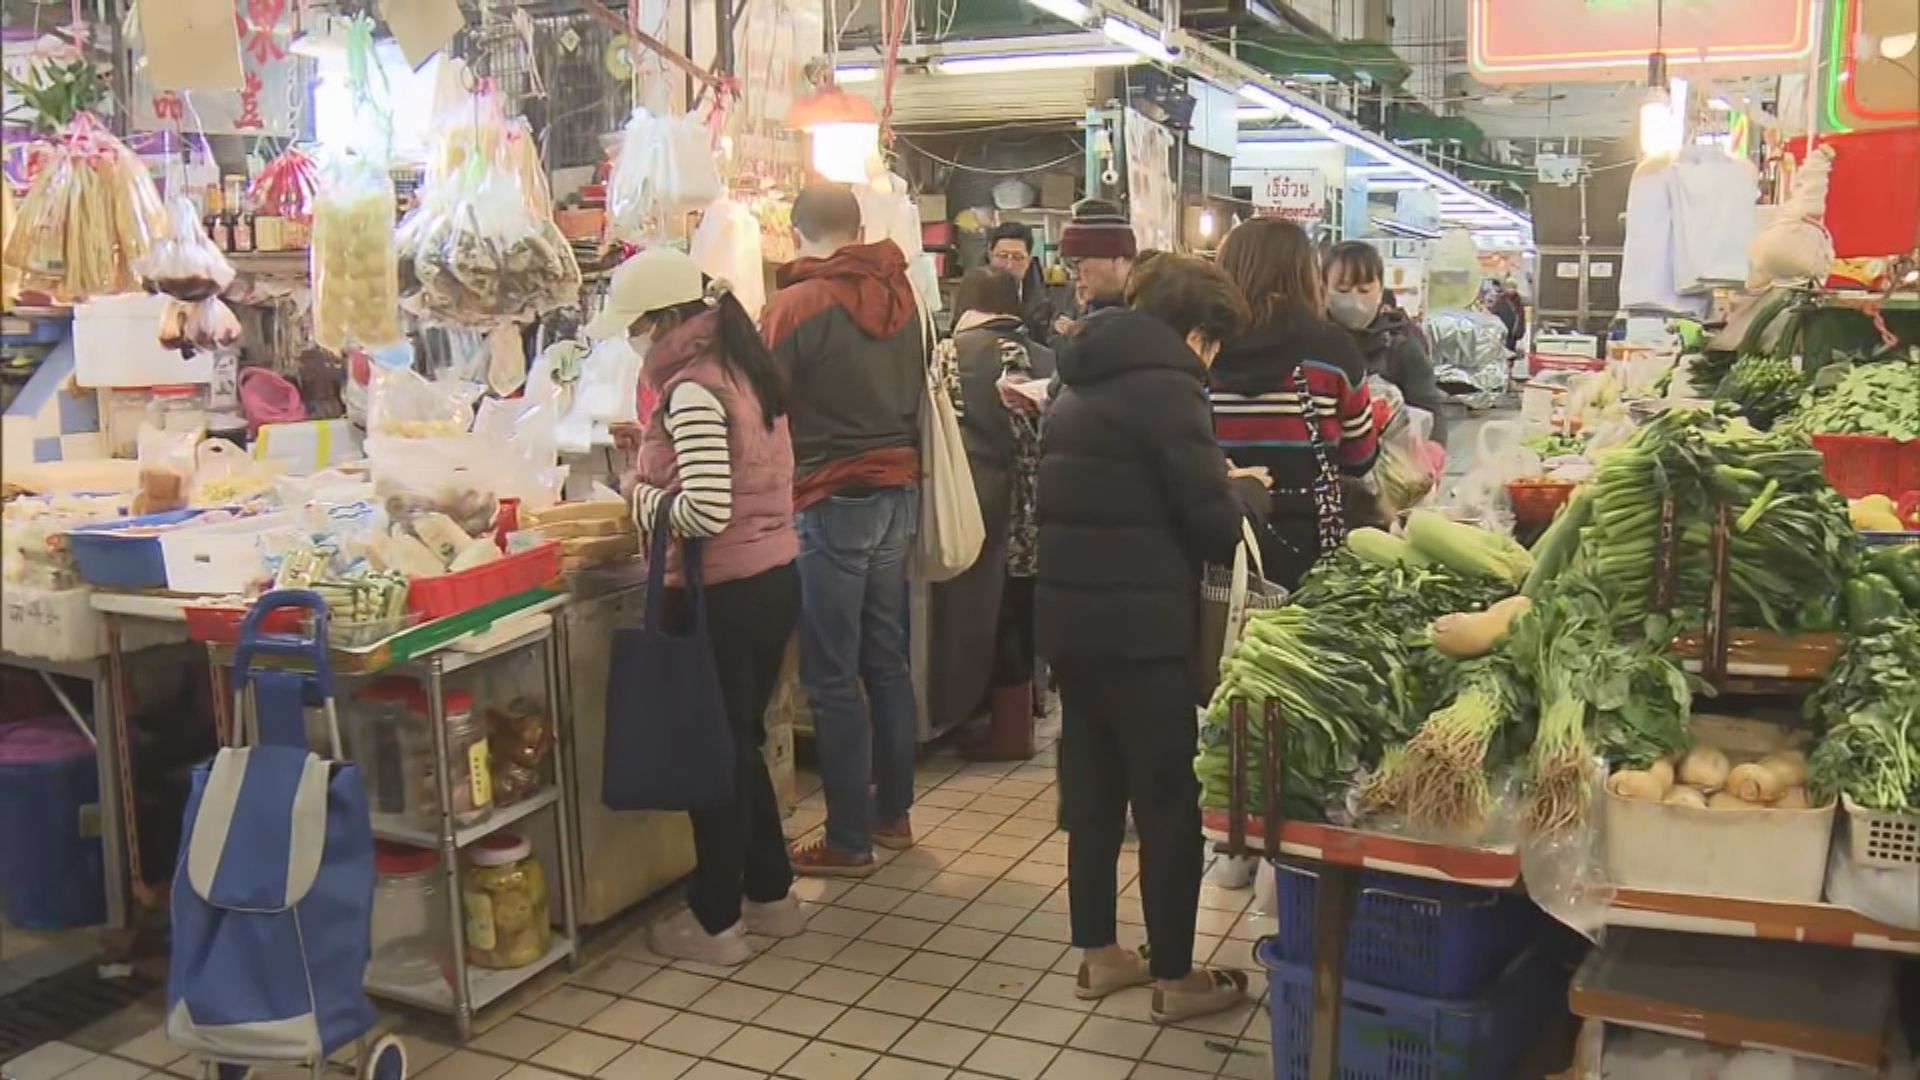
(192, 328)
(90, 214)
(355, 285)
(183, 262)
(474, 253)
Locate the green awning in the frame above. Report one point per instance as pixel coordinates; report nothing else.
(1291, 56)
(1407, 124)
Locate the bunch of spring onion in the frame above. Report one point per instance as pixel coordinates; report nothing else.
(1439, 781)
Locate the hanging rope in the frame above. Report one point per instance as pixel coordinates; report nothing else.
(894, 19)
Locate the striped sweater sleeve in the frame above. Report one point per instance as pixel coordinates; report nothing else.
(703, 495)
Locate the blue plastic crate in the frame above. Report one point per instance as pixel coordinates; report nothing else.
(1435, 938)
(1389, 1035)
(104, 555)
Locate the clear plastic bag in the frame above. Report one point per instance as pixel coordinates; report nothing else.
(479, 129)
(192, 328)
(1501, 457)
(454, 475)
(166, 469)
(183, 262)
(355, 285)
(478, 250)
(1405, 472)
(402, 404)
(664, 167)
(90, 215)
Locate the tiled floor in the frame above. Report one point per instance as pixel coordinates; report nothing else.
(951, 961)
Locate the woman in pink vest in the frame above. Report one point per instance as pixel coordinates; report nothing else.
(717, 450)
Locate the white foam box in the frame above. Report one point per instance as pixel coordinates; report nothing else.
(222, 559)
(116, 342)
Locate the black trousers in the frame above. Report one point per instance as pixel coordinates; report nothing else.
(1129, 734)
(1013, 646)
(741, 849)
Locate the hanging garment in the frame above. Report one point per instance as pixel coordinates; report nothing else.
(1715, 215)
(1646, 268)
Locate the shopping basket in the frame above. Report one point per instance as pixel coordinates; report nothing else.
(273, 893)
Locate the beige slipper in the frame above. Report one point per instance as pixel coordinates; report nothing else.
(1096, 981)
(1227, 988)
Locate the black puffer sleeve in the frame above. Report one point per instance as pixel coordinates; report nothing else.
(1208, 507)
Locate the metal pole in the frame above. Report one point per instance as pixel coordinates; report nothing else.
(550, 653)
(449, 847)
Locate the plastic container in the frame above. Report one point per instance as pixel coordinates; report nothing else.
(1881, 838)
(1860, 465)
(1435, 938)
(116, 343)
(410, 931)
(1536, 501)
(106, 555)
(1762, 854)
(50, 856)
(450, 594)
(224, 558)
(1391, 1035)
(504, 893)
(177, 409)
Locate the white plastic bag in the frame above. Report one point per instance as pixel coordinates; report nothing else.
(402, 403)
(1500, 458)
(664, 167)
(726, 247)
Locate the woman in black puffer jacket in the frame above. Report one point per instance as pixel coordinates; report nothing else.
(1134, 497)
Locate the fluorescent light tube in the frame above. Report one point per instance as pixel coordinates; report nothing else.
(1263, 98)
(862, 73)
(1071, 10)
(991, 63)
(1147, 45)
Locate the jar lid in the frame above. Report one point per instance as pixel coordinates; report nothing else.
(175, 391)
(402, 860)
(500, 849)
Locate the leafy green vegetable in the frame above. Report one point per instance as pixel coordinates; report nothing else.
(1871, 704)
(1878, 398)
(1764, 388)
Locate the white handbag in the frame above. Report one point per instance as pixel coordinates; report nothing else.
(952, 531)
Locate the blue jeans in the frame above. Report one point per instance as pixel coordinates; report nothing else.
(854, 553)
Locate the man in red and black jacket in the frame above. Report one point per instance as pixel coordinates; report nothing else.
(846, 329)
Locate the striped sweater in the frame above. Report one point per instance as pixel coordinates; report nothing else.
(1257, 413)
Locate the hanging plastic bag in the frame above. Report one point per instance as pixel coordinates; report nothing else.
(477, 128)
(474, 253)
(183, 262)
(90, 215)
(726, 247)
(1501, 457)
(286, 186)
(663, 167)
(355, 287)
(193, 328)
(1405, 472)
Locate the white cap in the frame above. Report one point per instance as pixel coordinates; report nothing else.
(659, 277)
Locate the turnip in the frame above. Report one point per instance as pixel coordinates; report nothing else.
(1704, 767)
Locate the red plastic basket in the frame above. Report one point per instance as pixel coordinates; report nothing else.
(220, 625)
(451, 594)
(1536, 501)
(1860, 465)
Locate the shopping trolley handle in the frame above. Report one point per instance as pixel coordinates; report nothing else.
(254, 640)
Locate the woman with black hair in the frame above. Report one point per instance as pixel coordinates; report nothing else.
(717, 456)
(1394, 348)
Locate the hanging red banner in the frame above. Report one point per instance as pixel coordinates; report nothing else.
(1517, 41)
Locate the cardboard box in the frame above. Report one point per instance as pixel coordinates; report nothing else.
(932, 207)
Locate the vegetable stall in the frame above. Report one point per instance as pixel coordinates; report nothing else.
(1689, 705)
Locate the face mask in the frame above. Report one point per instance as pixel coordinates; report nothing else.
(1355, 311)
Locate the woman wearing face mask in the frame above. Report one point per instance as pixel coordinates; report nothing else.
(1395, 349)
(717, 455)
(1290, 395)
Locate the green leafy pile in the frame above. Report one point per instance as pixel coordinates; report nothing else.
(1793, 547)
(1871, 704)
(1763, 388)
(1867, 398)
(1348, 664)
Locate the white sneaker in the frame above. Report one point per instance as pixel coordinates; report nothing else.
(681, 937)
(780, 918)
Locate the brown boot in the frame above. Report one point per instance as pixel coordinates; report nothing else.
(1010, 730)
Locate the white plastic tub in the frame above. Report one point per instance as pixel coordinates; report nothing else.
(1760, 854)
(222, 559)
(116, 342)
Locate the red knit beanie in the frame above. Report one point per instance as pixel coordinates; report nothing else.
(1098, 230)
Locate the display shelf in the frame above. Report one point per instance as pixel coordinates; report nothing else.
(487, 985)
(512, 633)
(1726, 916)
(164, 608)
(1494, 868)
(395, 827)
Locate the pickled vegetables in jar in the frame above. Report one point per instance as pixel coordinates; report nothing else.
(355, 277)
(504, 895)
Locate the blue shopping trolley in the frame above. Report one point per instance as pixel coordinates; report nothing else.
(273, 895)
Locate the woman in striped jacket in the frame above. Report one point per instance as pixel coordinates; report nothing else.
(717, 460)
(1290, 396)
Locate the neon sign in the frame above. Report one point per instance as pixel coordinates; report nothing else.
(1517, 41)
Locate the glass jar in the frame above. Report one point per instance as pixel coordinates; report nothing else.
(177, 409)
(393, 747)
(504, 893)
(471, 782)
(411, 938)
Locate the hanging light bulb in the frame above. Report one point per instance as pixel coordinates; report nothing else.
(1206, 222)
(844, 130)
(1662, 125)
